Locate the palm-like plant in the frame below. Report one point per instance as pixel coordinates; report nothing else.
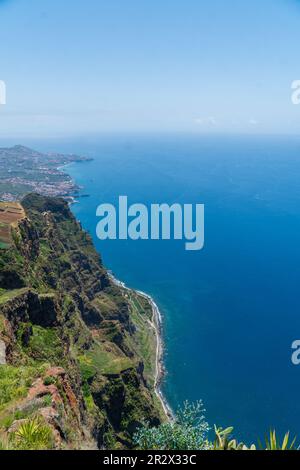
(4, 445)
(224, 442)
(33, 435)
(272, 442)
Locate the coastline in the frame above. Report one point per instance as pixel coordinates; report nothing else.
(156, 324)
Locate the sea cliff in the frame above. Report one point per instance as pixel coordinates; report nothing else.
(77, 351)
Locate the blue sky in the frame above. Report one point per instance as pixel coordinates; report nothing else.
(97, 66)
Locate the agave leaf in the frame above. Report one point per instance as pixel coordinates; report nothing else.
(285, 441)
(292, 446)
(232, 444)
(227, 431)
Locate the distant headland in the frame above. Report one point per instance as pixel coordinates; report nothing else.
(23, 170)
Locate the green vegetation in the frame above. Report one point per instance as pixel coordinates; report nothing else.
(33, 434)
(6, 295)
(45, 345)
(272, 442)
(190, 431)
(144, 340)
(15, 382)
(8, 417)
(49, 380)
(103, 358)
(224, 441)
(3, 246)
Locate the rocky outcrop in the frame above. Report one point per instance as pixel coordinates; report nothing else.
(29, 306)
(2, 353)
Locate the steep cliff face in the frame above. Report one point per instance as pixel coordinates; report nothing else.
(76, 350)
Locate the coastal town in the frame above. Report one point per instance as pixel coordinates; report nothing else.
(23, 170)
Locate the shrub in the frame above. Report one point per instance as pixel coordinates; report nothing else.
(34, 434)
(188, 431)
(15, 381)
(49, 380)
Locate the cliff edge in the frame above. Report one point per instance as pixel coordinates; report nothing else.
(77, 353)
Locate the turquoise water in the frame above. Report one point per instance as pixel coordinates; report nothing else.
(232, 310)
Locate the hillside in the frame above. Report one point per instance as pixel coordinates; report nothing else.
(10, 215)
(77, 352)
(24, 170)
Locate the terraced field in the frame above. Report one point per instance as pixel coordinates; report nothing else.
(10, 214)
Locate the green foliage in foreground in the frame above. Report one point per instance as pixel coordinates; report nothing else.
(272, 442)
(15, 382)
(189, 431)
(33, 434)
(223, 441)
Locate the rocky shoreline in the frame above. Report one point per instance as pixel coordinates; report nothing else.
(156, 324)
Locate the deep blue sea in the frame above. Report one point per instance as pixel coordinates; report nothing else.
(232, 310)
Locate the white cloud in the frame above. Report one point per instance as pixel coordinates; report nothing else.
(207, 121)
(253, 122)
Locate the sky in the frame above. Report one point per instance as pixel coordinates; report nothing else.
(95, 66)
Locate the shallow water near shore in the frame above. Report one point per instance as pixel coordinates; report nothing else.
(231, 311)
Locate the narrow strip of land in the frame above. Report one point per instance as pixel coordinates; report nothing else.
(154, 323)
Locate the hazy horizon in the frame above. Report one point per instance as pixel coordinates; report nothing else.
(125, 67)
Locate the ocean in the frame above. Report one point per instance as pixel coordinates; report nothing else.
(231, 311)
